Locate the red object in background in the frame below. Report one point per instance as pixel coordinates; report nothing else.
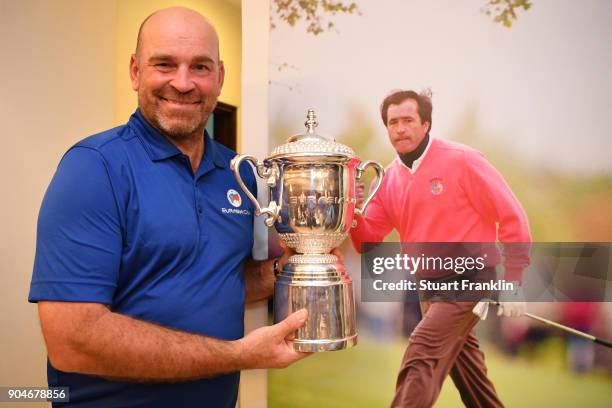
(580, 315)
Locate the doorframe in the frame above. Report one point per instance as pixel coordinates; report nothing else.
(225, 125)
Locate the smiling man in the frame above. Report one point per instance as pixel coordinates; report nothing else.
(139, 278)
(178, 75)
(441, 191)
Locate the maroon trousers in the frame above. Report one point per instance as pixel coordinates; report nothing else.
(444, 343)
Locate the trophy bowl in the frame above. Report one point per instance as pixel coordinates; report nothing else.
(312, 205)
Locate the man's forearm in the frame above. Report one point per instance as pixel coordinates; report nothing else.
(120, 347)
(259, 279)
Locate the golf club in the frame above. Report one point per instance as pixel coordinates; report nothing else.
(562, 327)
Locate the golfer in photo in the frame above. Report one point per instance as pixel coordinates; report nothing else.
(441, 191)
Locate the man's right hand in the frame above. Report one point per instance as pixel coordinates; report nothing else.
(271, 346)
(89, 338)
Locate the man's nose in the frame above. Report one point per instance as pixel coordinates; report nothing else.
(182, 81)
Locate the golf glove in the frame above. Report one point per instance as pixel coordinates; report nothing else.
(511, 304)
(481, 309)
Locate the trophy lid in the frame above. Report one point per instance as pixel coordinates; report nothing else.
(311, 143)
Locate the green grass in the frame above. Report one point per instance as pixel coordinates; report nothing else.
(365, 377)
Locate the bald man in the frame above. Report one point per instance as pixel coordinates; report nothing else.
(142, 260)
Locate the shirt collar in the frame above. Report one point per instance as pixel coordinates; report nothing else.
(417, 162)
(160, 148)
(212, 153)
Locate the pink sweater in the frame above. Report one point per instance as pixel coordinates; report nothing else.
(454, 195)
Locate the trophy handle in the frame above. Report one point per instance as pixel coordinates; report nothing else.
(269, 173)
(380, 172)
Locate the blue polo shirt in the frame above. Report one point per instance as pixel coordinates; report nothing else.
(126, 223)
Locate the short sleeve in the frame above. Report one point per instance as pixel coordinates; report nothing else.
(79, 239)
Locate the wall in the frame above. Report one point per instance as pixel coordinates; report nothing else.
(57, 87)
(255, 56)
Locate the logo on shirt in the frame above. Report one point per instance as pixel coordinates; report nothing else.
(437, 187)
(234, 198)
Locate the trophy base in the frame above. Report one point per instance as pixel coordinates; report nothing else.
(313, 346)
(321, 285)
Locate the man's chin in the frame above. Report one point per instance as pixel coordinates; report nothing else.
(180, 132)
(180, 128)
(405, 150)
(175, 124)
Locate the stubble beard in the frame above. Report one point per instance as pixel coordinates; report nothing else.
(179, 125)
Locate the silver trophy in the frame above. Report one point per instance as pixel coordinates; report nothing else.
(312, 204)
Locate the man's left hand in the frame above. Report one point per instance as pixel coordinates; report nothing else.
(287, 252)
(512, 304)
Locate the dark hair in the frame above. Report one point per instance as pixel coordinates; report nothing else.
(422, 99)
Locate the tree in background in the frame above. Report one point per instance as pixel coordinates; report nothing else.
(561, 205)
(504, 11)
(316, 12)
(312, 11)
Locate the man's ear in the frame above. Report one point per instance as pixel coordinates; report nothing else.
(428, 126)
(134, 73)
(221, 75)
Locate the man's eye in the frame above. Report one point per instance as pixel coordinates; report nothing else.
(201, 68)
(163, 66)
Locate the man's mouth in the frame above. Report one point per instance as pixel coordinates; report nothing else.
(179, 102)
(404, 139)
